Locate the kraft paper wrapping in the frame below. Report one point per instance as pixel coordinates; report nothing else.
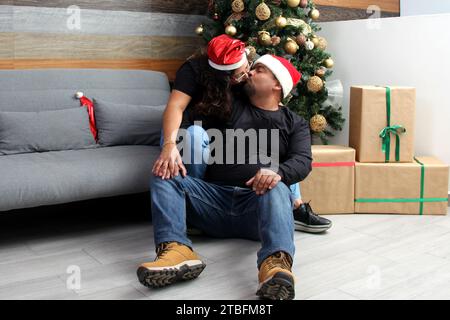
(396, 187)
(368, 116)
(330, 185)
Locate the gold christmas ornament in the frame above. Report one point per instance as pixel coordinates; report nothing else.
(318, 123)
(276, 40)
(303, 3)
(264, 38)
(329, 63)
(231, 30)
(300, 39)
(199, 30)
(263, 12)
(291, 47)
(281, 22)
(251, 53)
(238, 6)
(322, 45)
(314, 14)
(315, 40)
(321, 72)
(293, 3)
(315, 84)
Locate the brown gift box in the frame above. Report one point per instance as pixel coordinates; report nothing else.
(396, 187)
(330, 185)
(368, 117)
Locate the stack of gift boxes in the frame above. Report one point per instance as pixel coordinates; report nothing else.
(379, 172)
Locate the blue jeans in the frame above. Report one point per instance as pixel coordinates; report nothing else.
(198, 143)
(224, 212)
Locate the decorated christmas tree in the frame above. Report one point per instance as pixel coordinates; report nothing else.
(285, 28)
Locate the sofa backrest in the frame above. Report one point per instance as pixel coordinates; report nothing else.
(51, 89)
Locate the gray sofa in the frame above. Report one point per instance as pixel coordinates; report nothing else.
(47, 178)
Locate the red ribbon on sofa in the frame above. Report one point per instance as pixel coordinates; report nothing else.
(85, 102)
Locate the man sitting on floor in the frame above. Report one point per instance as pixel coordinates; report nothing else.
(247, 199)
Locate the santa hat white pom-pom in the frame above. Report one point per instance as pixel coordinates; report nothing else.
(79, 95)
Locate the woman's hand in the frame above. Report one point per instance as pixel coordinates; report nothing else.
(169, 163)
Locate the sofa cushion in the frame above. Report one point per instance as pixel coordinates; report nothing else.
(48, 178)
(53, 130)
(126, 124)
(51, 89)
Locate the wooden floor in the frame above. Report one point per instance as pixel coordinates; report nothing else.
(361, 257)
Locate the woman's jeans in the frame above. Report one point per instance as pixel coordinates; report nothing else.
(197, 140)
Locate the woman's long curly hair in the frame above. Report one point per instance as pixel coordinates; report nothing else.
(216, 87)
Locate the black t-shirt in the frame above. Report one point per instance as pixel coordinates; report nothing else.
(188, 81)
(294, 154)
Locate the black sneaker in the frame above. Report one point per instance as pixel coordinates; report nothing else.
(307, 221)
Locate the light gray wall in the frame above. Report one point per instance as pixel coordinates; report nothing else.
(408, 51)
(420, 7)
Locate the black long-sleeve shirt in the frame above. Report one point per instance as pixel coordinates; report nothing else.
(294, 151)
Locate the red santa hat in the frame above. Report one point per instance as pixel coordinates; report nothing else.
(226, 53)
(283, 70)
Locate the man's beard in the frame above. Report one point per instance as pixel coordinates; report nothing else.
(249, 90)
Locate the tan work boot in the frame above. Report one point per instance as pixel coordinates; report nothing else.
(174, 262)
(276, 281)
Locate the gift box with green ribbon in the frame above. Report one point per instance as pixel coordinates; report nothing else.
(419, 187)
(330, 185)
(382, 123)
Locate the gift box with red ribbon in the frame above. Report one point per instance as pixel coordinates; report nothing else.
(330, 185)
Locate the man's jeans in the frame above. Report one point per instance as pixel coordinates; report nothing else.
(223, 212)
(197, 140)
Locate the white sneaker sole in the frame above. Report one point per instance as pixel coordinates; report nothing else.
(299, 226)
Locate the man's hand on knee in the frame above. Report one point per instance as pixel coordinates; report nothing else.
(265, 179)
